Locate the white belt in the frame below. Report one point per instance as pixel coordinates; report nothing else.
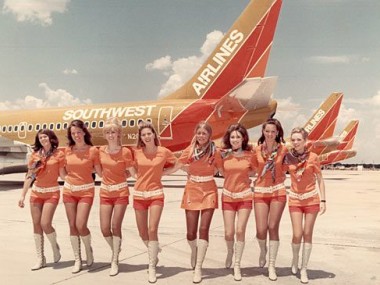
(302, 196)
(148, 194)
(269, 189)
(75, 188)
(201, 178)
(45, 189)
(114, 187)
(237, 195)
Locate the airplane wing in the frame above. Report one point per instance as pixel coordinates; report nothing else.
(13, 156)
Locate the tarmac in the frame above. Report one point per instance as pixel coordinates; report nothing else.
(346, 241)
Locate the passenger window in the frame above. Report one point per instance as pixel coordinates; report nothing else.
(101, 124)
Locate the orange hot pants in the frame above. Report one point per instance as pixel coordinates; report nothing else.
(305, 209)
(145, 204)
(268, 200)
(77, 199)
(42, 198)
(114, 201)
(236, 206)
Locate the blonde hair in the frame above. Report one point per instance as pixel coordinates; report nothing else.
(113, 124)
(146, 125)
(299, 130)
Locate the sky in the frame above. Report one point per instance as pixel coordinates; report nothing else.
(64, 52)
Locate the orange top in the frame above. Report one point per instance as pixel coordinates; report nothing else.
(236, 176)
(48, 177)
(114, 171)
(201, 167)
(267, 180)
(79, 168)
(150, 168)
(306, 183)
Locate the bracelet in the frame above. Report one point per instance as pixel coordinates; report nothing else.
(323, 201)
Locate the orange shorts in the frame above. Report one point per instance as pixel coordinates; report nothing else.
(77, 199)
(236, 206)
(305, 209)
(268, 200)
(52, 198)
(114, 201)
(145, 204)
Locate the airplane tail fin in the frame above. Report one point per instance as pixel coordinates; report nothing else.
(347, 137)
(322, 123)
(243, 52)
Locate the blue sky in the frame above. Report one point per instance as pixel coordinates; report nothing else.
(57, 53)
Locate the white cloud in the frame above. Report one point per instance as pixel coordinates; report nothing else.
(35, 11)
(181, 70)
(53, 98)
(68, 71)
(330, 59)
(375, 100)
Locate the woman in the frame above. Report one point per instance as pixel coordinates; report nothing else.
(78, 191)
(200, 198)
(237, 193)
(269, 191)
(114, 192)
(45, 165)
(148, 199)
(304, 199)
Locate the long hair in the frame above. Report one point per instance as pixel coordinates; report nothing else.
(146, 125)
(210, 150)
(240, 129)
(280, 131)
(52, 138)
(113, 124)
(78, 124)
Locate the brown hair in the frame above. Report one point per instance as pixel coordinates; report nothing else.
(52, 138)
(242, 130)
(299, 130)
(78, 124)
(145, 125)
(280, 134)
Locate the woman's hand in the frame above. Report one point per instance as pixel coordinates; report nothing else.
(21, 202)
(322, 208)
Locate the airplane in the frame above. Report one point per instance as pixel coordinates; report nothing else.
(344, 149)
(229, 84)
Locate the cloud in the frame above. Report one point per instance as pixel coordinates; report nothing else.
(330, 59)
(35, 11)
(369, 101)
(70, 71)
(180, 70)
(53, 98)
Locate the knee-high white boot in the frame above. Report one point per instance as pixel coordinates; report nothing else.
(273, 249)
(146, 242)
(109, 240)
(115, 256)
(263, 252)
(52, 237)
(296, 251)
(201, 253)
(239, 248)
(306, 251)
(88, 248)
(153, 249)
(75, 243)
(41, 260)
(230, 253)
(193, 247)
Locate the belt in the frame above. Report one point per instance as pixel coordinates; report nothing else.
(302, 196)
(201, 178)
(237, 195)
(75, 188)
(45, 189)
(148, 194)
(269, 189)
(114, 187)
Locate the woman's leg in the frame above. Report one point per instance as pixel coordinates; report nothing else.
(117, 220)
(261, 218)
(242, 221)
(83, 213)
(229, 234)
(155, 212)
(105, 220)
(307, 245)
(48, 211)
(36, 212)
(142, 224)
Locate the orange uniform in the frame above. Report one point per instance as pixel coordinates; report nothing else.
(46, 183)
(200, 190)
(150, 168)
(79, 168)
(114, 176)
(303, 191)
(236, 177)
(265, 186)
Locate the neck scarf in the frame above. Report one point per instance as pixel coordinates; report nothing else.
(39, 165)
(200, 152)
(297, 159)
(270, 160)
(228, 151)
